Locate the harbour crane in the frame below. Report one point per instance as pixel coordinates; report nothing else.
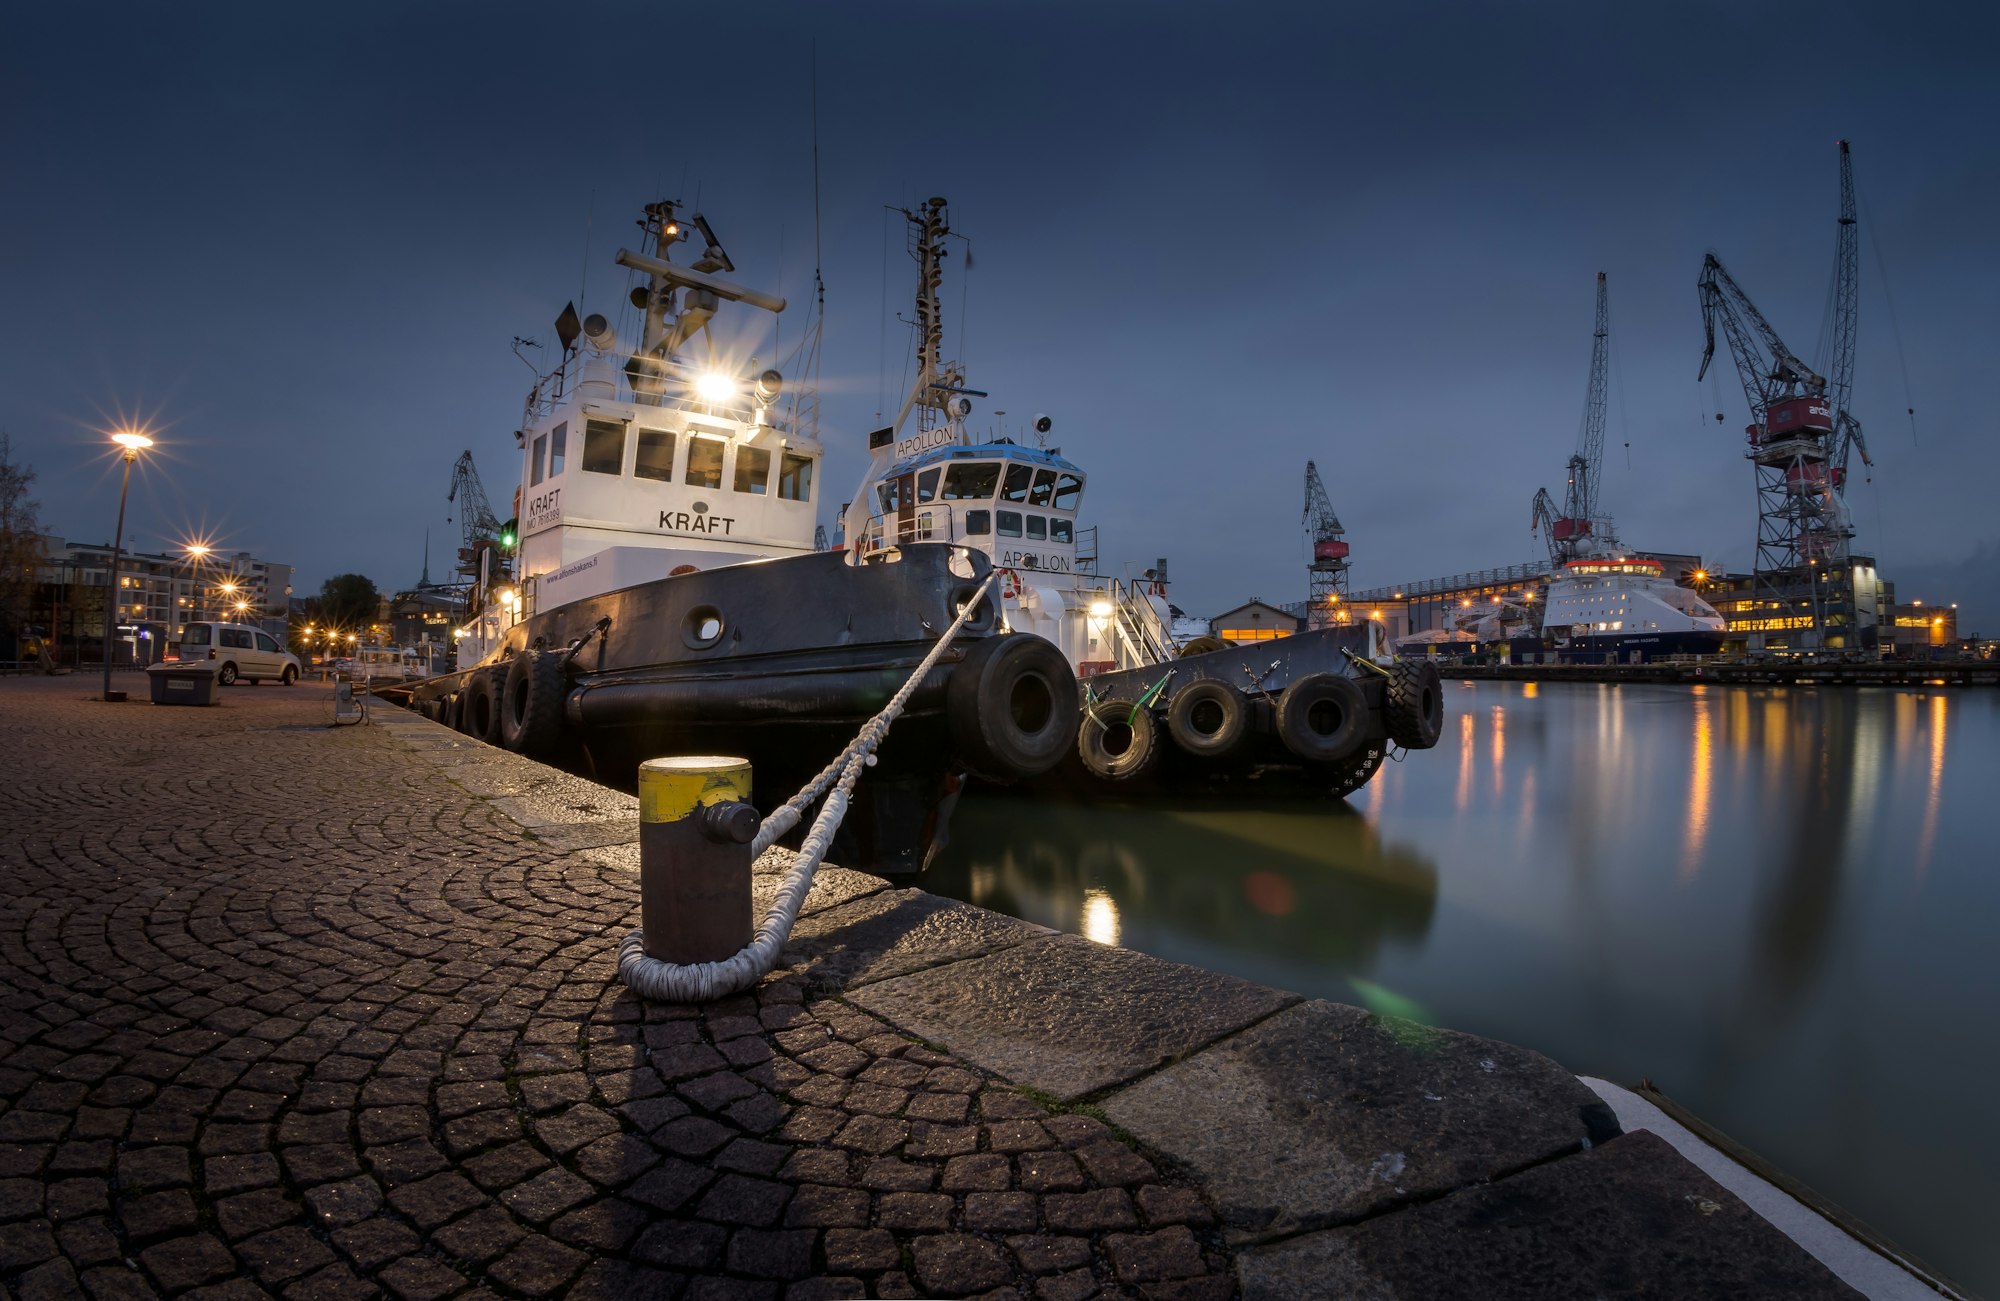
(1845, 326)
(479, 527)
(1326, 573)
(1578, 529)
(1800, 434)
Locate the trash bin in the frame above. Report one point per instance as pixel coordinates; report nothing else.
(182, 684)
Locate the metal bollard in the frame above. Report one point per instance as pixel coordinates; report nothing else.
(695, 828)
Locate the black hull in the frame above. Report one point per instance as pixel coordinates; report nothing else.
(1611, 648)
(808, 649)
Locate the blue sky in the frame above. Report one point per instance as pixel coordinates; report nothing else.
(1212, 244)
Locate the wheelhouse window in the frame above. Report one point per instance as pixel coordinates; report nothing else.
(704, 462)
(558, 445)
(978, 523)
(971, 481)
(795, 477)
(889, 493)
(1069, 488)
(1038, 527)
(1045, 486)
(604, 446)
(927, 485)
(1060, 531)
(656, 455)
(1010, 524)
(535, 455)
(753, 470)
(1016, 486)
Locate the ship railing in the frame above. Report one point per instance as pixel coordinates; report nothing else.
(1140, 637)
(561, 384)
(934, 521)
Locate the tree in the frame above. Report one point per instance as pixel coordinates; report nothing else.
(349, 601)
(21, 547)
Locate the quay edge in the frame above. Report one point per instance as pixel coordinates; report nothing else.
(1229, 1080)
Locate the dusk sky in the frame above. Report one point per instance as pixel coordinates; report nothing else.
(1212, 242)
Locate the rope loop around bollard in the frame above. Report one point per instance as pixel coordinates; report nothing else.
(700, 982)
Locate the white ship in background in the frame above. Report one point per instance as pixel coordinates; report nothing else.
(1621, 607)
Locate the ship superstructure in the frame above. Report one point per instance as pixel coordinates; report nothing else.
(662, 459)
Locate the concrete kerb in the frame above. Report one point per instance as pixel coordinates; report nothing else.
(1306, 1123)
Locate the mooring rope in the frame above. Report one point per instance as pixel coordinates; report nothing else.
(698, 982)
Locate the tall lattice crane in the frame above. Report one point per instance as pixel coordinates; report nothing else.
(1326, 573)
(1844, 326)
(1579, 530)
(479, 527)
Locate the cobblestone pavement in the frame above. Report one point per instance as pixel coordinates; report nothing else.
(286, 1012)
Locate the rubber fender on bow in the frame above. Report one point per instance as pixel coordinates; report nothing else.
(1208, 718)
(1413, 705)
(1117, 741)
(1010, 706)
(1322, 717)
(531, 703)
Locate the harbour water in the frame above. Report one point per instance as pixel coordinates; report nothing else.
(1779, 905)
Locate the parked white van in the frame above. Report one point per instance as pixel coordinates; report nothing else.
(244, 652)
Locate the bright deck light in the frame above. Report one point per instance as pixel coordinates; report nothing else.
(714, 386)
(131, 438)
(1098, 609)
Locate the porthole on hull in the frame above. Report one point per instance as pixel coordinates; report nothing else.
(701, 627)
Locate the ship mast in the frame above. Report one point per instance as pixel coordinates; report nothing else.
(940, 385)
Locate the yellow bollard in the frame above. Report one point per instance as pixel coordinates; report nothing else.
(695, 828)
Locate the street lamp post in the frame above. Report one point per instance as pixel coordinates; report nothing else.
(197, 553)
(132, 441)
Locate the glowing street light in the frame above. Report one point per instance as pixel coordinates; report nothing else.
(133, 441)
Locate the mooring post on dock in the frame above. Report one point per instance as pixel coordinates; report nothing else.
(695, 828)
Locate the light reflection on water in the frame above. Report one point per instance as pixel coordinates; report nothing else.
(1774, 903)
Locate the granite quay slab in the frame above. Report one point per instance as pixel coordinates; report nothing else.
(295, 1011)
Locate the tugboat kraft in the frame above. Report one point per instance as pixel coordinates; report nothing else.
(666, 596)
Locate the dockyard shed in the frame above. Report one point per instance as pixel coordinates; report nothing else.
(1256, 622)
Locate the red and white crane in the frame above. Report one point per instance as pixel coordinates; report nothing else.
(1579, 530)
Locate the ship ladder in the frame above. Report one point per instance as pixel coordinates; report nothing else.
(700, 982)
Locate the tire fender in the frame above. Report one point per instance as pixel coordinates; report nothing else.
(1011, 705)
(1413, 705)
(1117, 742)
(1322, 717)
(1208, 718)
(531, 703)
(479, 707)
